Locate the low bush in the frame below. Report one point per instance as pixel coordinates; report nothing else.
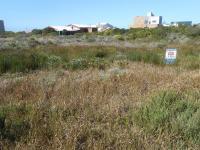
(173, 113)
(78, 64)
(82, 63)
(54, 61)
(119, 37)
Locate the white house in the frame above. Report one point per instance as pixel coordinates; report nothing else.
(81, 28)
(65, 29)
(62, 28)
(84, 27)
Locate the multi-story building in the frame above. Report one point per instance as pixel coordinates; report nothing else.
(149, 21)
(2, 27)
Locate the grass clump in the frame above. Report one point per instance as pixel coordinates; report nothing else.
(146, 57)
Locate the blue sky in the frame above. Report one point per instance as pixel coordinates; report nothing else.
(28, 14)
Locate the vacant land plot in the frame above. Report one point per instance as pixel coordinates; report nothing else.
(99, 97)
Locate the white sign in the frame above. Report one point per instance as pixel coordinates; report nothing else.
(170, 56)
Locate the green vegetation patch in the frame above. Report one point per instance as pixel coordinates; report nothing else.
(173, 113)
(83, 57)
(152, 57)
(27, 61)
(54, 57)
(82, 63)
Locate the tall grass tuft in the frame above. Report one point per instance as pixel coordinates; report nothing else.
(151, 57)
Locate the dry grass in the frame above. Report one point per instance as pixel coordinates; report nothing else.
(97, 92)
(88, 109)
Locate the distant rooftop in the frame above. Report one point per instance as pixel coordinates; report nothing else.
(67, 28)
(83, 25)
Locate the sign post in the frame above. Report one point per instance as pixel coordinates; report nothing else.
(170, 56)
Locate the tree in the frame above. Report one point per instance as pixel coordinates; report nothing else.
(36, 31)
(49, 31)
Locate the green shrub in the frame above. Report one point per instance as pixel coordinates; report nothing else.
(36, 31)
(119, 37)
(54, 61)
(98, 63)
(82, 63)
(155, 34)
(78, 64)
(49, 31)
(116, 31)
(173, 113)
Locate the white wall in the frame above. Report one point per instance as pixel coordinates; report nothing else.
(154, 20)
